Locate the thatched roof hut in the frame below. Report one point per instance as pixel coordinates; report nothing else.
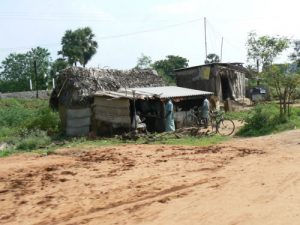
(73, 95)
(75, 86)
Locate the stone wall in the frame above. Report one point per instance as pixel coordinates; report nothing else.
(26, 95)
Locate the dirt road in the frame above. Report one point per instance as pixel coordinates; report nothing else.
(244, 181)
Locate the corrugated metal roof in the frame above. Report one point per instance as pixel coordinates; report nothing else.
(114, 94)
(239, 64)
(149, 92)
(170, 91)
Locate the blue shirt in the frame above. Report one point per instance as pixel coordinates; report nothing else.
(170, 125)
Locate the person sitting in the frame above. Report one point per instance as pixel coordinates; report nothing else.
(137, 122)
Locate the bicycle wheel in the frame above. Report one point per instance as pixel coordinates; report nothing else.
(190, 121)
(225, 127)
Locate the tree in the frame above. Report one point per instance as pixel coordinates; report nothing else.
(295, 56)
(212, 58)
(18, 69)
(285, 83)
(264, 49)
(13, 75)
(166, 66)
(143, 62)
(58, 65)
(78, 46)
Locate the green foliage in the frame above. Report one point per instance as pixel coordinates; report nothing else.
(24, 123)
(6, 152)
(44, 119)
(143, 62)
(58, 65)
(13, 113)
(285, 84)
(212, 58)
(238, 115)
(160, 139)
(18, 69)
(78, 46)
(265, 48)
(31, 140)
(295, 56)
(166, 66)
(265, 119)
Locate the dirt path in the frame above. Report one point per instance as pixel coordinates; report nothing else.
(244, 181)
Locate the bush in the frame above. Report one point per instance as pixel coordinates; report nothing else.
(44, 119)
(32, 140)
(24, 124)
(29, 114)
(265, 119)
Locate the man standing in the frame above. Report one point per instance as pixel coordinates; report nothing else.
(205, 112)
(170, 125)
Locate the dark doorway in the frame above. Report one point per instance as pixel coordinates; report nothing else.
(226, 90)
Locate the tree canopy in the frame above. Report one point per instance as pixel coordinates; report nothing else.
(295, 56)
(57, 66)
(143, 62)
(212, 58)
(78, 46)
(264, 49)
(165, 67)
(285, 83)
(18, 69)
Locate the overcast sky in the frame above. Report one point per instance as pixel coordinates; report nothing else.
(125, 29)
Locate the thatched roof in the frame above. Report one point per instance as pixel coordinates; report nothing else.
(75, 86)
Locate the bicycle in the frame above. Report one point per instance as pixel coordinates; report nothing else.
(218, 123)
(222, 125)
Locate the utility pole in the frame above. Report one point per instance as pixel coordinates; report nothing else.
(205, 38)
(221, 50)
(134, 111)
(36, 79)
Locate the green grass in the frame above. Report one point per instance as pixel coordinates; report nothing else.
(6, 152)
(265, 119)
(241, 115)
(25, 124)
(164, 139)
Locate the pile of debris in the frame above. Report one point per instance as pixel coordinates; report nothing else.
(76, 85)
(179, 133)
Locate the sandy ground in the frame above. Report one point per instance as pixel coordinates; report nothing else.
(244, 181)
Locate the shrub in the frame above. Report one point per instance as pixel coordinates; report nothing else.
(29, 114)
(31, 140)
(24, 124)
(43, 119)
(265, 119)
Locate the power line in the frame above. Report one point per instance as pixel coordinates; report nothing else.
(224, 38)
(117, 35)
(149, 30)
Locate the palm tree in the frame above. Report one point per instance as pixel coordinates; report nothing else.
(78, 46)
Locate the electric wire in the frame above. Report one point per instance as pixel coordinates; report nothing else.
(115, 36)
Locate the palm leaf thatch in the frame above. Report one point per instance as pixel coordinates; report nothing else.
(75, 86)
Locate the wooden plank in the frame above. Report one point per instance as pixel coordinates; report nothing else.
(78, 122)
(82, 131)
(120, 111)
(113, 119)
(106, 102)
(78, 113)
